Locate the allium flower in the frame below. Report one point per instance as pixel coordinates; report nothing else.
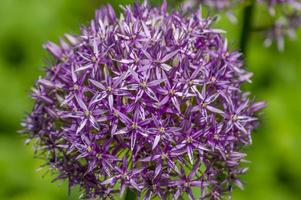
(220, 4)
(284, 14)
(215, 4)
(150, 101)
(228, 4)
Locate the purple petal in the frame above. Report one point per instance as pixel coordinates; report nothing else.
(81, 126)
(54, 49)
(169, 56)
(133, 140)
(81, 103)
(156, 141)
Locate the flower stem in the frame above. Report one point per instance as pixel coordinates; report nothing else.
(246, 26)
(130, 195)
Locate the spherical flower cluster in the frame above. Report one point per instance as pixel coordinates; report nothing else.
(150, 101)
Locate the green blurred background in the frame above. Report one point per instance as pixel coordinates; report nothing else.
(275, 168)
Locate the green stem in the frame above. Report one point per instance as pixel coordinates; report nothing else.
(130, 195)
(246, 26)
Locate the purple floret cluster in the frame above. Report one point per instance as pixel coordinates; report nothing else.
(227, 4)
(286, 18)
(150, 101)
(283, 16)
(219, 5)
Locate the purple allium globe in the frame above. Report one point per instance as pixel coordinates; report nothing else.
(150, 101)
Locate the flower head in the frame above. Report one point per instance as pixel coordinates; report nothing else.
(283, 15)
(150, 101)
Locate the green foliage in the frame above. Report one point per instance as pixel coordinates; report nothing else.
(275, 155)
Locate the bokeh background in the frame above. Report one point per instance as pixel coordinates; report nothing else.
(275, 167)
